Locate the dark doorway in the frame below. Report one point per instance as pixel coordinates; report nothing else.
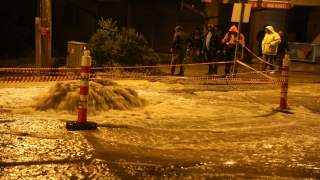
(298, 19)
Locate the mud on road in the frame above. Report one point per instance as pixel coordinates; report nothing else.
(188, 130)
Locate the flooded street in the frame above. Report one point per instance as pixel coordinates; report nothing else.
(184, 130)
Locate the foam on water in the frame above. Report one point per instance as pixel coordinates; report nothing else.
(103, 96)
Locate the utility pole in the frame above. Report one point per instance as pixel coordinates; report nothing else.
(46, 32)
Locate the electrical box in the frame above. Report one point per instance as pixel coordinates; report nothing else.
(75, 53)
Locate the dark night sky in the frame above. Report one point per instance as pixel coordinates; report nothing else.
(17, 27)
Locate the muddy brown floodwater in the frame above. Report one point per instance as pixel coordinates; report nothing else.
(162, 129)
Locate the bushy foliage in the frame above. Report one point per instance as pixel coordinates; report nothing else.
(128, 47)
(102, 42)
(132, 49)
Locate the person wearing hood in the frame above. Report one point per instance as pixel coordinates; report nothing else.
(269, 47)
(229, 41)
(211, 47)
(180, 44)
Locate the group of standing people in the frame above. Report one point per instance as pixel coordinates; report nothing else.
(271, 45)
(212, 45)
(216, 47)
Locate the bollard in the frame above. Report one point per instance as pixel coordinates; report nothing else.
(284, 86)
(82, 123)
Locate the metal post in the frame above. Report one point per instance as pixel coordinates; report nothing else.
(284, 86)
(237, 43)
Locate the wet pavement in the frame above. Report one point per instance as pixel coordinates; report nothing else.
(190, 129)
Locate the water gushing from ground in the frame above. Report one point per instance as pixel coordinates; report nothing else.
(103, 95)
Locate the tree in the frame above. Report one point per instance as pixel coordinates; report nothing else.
(102, 42)
(126, 48)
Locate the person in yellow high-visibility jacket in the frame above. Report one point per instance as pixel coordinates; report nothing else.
(269, 47)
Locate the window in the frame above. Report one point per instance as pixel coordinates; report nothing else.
(298, 19)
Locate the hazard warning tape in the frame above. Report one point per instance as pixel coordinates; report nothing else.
(247, 66)
(35, 72)
(113, 67)
(22, 70)
(135, 77)
(158, 66)
(262, 60)
(62, 78)
(40, 78)
(38, 69)
(245, 80)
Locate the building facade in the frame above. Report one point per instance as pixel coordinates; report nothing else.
(76, 20)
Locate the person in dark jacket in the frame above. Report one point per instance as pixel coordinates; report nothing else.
(211, 47)
(196, 49)
(260, 37)
(180, 44)
(283, 48)
(219, 31)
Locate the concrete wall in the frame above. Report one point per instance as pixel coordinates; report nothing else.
(273, 17)
(305, 3)
(212, 11)
(156, 21)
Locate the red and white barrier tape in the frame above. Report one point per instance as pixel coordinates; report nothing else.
(103, 68)
(246, 80)
(38, 69)
(122, 77)
(247, 66)
(159, 66)
(257, 56)
(40, 78)
(35, 72)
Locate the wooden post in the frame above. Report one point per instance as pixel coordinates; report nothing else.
(37, 44)
(46, 32)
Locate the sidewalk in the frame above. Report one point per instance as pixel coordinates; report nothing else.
(304, 69)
